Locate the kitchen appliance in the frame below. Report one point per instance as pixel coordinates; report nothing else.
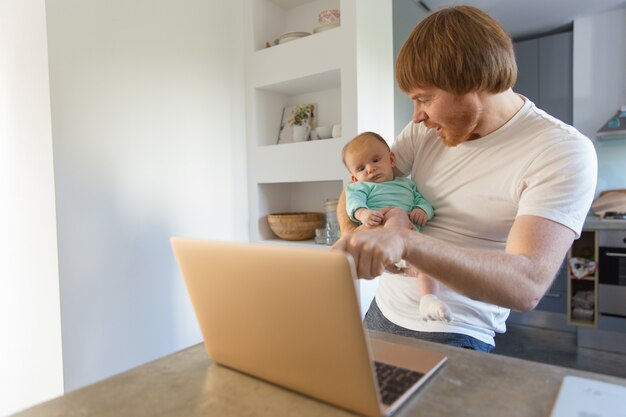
(615, 127)
(612, 272)
(614, 215)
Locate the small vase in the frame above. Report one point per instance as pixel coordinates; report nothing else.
(301, 133)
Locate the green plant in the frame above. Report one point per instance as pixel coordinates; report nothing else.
(300, 115)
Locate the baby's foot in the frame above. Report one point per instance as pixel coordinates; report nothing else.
(433, 309)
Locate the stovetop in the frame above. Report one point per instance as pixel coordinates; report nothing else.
(614, 215)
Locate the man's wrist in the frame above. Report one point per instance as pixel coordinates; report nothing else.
(408, 242)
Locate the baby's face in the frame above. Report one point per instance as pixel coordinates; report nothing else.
(370, 161)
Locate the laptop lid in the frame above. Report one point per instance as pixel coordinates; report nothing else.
(283, 314)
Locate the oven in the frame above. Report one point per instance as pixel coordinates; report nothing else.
(612, 272)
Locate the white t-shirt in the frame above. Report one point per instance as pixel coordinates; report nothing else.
(532, 165)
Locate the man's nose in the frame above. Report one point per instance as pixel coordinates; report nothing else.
(418, 115)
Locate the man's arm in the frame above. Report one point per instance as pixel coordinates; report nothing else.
(516, 278)
(346, 226)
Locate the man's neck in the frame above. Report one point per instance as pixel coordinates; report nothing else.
(497, 109)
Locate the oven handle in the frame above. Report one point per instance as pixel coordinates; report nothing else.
(616, 254)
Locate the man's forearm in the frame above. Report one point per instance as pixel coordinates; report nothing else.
(472, 272)
(516, 279)
(346, 225)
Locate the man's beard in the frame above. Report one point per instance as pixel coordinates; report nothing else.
(462, 130)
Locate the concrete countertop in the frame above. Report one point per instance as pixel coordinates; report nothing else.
(596, 223)
(187, 383)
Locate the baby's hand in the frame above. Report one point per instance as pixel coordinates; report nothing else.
(418, 217)
(369, 218)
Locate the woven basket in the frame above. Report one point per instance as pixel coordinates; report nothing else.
(296, 226)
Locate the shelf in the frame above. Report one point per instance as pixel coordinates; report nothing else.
(271, 18)
(609, 138)
(318, 160)
(347, 72)
(584, 323)
(584, 247)
(323, 90)
(306, 56)
(591, 278)
(291, 197)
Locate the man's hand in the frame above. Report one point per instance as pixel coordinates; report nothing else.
(369, 218)
(374, 251)
(418, 216)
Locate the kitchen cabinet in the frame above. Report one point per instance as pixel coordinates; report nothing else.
(609, 331)
(346, 71)
(545, 73)
(582, 291)
(555, 310)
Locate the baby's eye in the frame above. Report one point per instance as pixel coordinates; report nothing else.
(376, 160)
(359, 169)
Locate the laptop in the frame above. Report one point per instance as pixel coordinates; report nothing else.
(290, 316)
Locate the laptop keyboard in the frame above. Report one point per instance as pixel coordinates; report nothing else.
(394, 381)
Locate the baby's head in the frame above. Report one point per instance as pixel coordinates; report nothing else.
(369, 158)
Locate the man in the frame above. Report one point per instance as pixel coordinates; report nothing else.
(511, 187)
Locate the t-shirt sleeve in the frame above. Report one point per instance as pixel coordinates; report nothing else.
(356, 198)
(404, 149)
(559, 184)
(418, 200)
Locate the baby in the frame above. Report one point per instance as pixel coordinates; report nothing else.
(377, 198)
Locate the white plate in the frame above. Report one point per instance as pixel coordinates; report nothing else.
(288, 39)
(289, 36)
(325, 26)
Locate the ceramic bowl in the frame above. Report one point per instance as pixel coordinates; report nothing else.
(329, 16)
(324, 132)
(296, 226)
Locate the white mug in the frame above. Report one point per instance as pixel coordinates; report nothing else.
(336, 131)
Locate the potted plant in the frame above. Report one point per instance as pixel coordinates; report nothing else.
(300, 115)
(299, 119)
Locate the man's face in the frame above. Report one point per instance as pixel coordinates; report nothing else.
(455, 117)
(371, 161)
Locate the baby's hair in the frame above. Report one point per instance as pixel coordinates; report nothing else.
(359, 138)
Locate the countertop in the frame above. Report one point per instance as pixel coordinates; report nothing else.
(596, 223)
(187, 383)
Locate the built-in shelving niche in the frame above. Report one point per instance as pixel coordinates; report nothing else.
(272, 18)
(293, 197)
(322, 89)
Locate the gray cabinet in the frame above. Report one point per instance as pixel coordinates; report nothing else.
(555, 299)
(545, 73)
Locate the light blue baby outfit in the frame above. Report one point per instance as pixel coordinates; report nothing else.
(400, 192)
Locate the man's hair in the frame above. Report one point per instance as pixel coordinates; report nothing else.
(359, 138)
(457, 49)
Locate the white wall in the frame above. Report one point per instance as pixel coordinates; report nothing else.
(31, 367)
(147, 122)
(600, 87)
(406, 15)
